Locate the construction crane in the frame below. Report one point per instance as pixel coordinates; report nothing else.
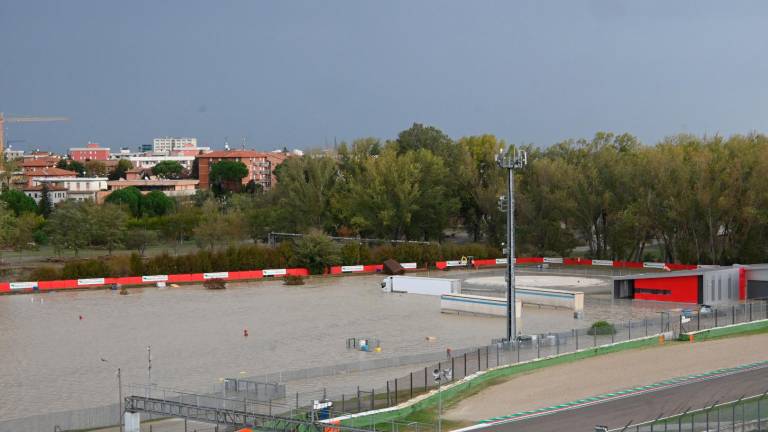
(22, 119)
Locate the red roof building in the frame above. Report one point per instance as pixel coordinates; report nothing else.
(261, 166)
(92, 151)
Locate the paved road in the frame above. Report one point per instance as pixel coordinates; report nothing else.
(644, 406)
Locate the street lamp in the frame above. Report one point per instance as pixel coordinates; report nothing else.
(440, 376)
(119, 395)
(510, 162)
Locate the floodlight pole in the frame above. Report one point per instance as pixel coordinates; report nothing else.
(510, 162)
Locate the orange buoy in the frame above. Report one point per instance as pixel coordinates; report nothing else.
(81, 317)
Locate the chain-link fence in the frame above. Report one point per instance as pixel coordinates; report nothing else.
(705, 318)
(745, 414)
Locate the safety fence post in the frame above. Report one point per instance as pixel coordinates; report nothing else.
(487, 349)
(465, 364)
(645, 321)
(411, 385)
(478, 360)
(576, 332)
(629, 336)
(395, 391)
(388, 404)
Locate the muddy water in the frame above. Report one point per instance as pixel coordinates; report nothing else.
(50, 359)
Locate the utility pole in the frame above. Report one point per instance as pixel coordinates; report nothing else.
(510, 162)
(149, 368)
(120, 397)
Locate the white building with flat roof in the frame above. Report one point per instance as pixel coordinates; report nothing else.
(169, 144)
(148, 161)
(77, 188)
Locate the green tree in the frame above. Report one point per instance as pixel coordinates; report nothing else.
(228, 175)
(71, 165)
(156, 203)
(140, 239)
(123, 165)
(70, 226)
(95, 168)
(419, 137)
(22, 236)
(45, 205)
(18, 202)
(316, 252)
(109, 225)
(219, 226)
(129, 198)
(168, 170)
(305, 188)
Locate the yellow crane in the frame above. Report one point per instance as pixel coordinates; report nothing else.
(22, 119)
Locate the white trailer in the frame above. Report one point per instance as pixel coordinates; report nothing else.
(421, 285)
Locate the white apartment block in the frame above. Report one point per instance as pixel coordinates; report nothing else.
(169, 144)
(148, 161)
(76, 188)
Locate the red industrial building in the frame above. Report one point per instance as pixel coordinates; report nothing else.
(705, 285)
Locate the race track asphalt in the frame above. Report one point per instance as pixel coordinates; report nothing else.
(642, 407)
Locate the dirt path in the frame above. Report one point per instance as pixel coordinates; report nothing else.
(604, 374)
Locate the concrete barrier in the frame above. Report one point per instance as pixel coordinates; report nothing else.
(573, 300)
(477, 305)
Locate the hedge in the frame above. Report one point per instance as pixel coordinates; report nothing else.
(250, 257)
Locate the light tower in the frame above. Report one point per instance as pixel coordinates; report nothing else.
(511, 161)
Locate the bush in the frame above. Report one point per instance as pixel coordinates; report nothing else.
(44, 273)
(293, 280)
(315, 251)
(601, 328)
(215, 284)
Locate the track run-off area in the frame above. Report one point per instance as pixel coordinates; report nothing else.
(615, 389)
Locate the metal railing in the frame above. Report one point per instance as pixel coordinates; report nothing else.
(744, 414)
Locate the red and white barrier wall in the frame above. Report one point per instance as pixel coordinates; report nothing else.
(148, 279)
(367, 268)
(334, 270)
(477, 263)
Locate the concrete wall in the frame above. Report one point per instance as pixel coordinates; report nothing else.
(478, 305)
(721, 286)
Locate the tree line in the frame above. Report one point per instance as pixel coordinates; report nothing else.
(690, 199)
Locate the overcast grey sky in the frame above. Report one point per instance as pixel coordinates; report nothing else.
(299, 73)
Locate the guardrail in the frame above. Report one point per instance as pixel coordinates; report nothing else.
(28, 286)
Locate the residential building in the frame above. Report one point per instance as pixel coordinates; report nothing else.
(91, 151)
(31, 165)
(11, 154)
(33, 173)
(261, 165)
(56, 194)
(169, 144)
(172, 188)
(78, 188)
(148, 161)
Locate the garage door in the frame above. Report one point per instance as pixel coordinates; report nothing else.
(757, 289)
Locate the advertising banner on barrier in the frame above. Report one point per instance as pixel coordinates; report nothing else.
(654, 265)
(92, 281)
(454, 264)
(501, 260)
(217, 275)
(352, 268)
(408, 266)
(608, 263)
(274, 272)
(553, 260)
(23, 285)
(154, 278)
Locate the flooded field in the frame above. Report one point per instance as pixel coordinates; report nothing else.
(52, 345)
